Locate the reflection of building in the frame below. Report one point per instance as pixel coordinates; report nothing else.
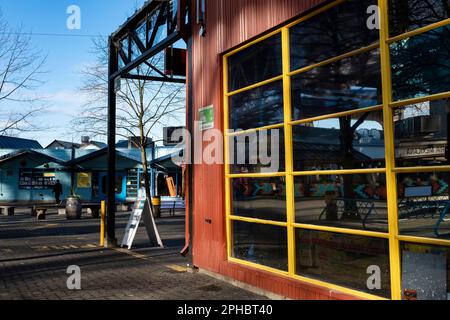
(422, 134)
(321, 148)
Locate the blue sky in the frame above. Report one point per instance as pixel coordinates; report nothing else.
(66, 54)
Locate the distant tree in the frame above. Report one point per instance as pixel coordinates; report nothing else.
(20, 70)
(143, 107)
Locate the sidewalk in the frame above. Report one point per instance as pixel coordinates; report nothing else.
(34, 257)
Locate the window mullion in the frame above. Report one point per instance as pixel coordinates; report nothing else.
(391, 183)
(290, 205)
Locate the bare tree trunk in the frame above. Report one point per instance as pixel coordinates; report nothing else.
(145, 170)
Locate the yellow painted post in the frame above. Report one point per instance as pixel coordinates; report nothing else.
(290, 201)
(227, 139)
(102, 223)
(391, 179)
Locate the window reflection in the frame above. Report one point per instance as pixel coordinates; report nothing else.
(261, 198)
(343, 259)
(258, 107)
(257, 63)
(422, 134)
(425, 272)
(262, 244)
(421, 65)
(408, 15)
(258, 152)
(351, 142)
(348, 201)
(424, 204)
(334, 32)
(348, 84)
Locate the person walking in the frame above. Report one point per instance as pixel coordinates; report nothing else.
(57, 190)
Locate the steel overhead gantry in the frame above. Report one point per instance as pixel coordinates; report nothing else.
(158, 25)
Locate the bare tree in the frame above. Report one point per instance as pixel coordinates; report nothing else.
(20, 71)
(143, 107)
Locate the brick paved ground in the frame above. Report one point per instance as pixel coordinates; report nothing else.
(34, 256)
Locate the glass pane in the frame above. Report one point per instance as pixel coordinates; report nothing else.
(258, 152)
(348, 84)
(345, 260)
(254, 64)
(334, 32)
(423, 204)
(421, 65)
(262, 244)
(260, 198)
(425, 272)
(257, 108)
(346, 201)
(408, 15)
(422, 133)
(352, 142)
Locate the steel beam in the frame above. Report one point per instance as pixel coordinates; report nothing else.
(111, 203)
(151, 78)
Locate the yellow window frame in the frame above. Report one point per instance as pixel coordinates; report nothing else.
(390, 170)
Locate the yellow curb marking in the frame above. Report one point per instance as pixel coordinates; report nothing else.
(64, 247)
(143, 257)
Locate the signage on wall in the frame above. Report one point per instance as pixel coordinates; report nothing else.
(84, 180)
(437, 150)
(206, 116)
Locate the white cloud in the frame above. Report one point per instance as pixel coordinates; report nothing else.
(67, 103)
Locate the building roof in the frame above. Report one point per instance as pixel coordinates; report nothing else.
(166, 162)
(63, 144)
(18, 143)
(133, 155)
(93, 145)
(33, 153)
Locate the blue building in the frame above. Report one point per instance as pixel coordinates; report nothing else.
(29, 174)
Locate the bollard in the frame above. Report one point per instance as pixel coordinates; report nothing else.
(102, 224)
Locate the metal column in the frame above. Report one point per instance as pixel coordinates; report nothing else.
(111, 203)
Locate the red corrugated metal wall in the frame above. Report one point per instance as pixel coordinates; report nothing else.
(229, 23)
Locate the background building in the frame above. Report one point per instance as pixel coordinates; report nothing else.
(28, 172)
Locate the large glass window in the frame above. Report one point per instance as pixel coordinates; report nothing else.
(261, 244)
(348, 84)
(421, 64)
(352, 157)
(422, 134)
(424, 204)
(337, 31)
(351, 142)
(425, 272)
(345, 201)
(408, 15)
(258, 152)
(262, 198)
(257, 63)
(344, 259)
(258, 107)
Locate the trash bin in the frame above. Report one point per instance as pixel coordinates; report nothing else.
(156, 202)
(73, 208)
